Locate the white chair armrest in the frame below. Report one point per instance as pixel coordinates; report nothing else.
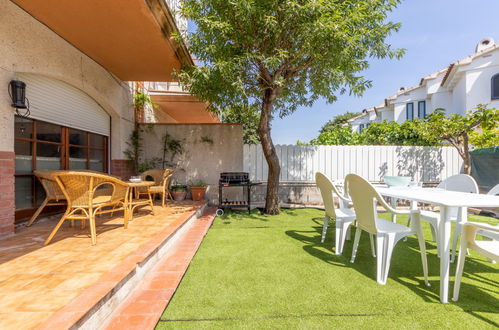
(485, 226)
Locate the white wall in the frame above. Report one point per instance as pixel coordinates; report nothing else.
(458, 98)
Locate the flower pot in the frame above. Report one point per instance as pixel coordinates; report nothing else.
(179, 195)
(198, 193)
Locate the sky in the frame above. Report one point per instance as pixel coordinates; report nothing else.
(434, 33)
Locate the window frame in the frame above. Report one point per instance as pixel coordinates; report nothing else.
(407, 111)
(64, 158)
(493, 82)
(424, 109)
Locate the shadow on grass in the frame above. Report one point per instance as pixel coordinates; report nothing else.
(406, 268)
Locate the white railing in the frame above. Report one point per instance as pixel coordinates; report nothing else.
(299, 163)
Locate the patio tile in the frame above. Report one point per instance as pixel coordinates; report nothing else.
(63, 280)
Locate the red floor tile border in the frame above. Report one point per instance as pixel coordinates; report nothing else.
(144, 307)
(75, 310)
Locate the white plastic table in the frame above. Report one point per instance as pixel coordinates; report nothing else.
(445, 200)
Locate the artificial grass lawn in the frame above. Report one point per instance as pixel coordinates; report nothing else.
(255, 271)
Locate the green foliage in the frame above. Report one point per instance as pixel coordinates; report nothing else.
(338, 121)
(172, 147)
(341, 135)
(140, 100)
(382, 133)
(178, 187)
(303, 49)
(198, 183)
(248, 116)
(207, 139)
(478, 126)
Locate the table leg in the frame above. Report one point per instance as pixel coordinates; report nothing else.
(393, 203)
(444, 235)
(150, 200)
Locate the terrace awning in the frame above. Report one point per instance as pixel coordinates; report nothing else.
(182, 109)
(130, 38)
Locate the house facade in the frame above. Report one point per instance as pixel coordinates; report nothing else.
(75, 59)
(458, 88)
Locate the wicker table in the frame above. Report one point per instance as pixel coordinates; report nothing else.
(133, 203)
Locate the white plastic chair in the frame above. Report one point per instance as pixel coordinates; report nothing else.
(489, 249)
(365, 199)
(344, 216)
(490, 234)
(458, 182)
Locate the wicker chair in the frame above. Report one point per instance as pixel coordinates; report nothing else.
(89, 194)
(54, 194)
(162, 178)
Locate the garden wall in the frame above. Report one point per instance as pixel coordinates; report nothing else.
(207, 150)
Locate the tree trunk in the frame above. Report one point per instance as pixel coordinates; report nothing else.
(466, 156)
(272, 198)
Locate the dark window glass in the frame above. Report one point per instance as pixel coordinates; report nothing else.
(421, 109)
(495, 87)
(97, 160)
(24, 192)
(361, 127)
(48, 132)
(48, 156)
(409, 109)
(96, 141)
(77, 137)
(77, 158)
(24, 157)
(23, 128)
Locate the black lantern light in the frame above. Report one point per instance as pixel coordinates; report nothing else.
(17, 92)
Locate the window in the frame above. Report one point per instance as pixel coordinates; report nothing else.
(495, 87)
(421, 109)
(409, 110)
(45, 146)
(361, 127)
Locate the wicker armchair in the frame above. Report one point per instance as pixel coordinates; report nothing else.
(89, 194)
(53, 194)
(162, 178)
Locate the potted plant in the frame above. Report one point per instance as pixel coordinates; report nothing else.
(178, 191)
(198, 190)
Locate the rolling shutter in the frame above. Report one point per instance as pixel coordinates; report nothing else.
(57, 102)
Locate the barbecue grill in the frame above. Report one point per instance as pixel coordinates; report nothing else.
(234, 179)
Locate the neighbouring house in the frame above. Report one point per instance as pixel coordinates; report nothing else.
(77, 59)
(458, 88)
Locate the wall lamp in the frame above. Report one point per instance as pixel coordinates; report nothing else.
(17, 92)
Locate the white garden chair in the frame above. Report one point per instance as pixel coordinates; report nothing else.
(487, 233)
(344, 216)
(489, 249)
(458, 182)
(365, 199)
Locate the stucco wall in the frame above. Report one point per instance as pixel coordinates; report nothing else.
(29, 46)
(208, 149)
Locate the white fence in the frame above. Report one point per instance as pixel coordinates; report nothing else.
(299, 163)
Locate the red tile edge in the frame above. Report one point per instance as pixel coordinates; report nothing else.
(77, 308)
(144, 307)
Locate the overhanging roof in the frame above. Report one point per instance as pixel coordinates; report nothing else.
(181, 109)
(130, 38)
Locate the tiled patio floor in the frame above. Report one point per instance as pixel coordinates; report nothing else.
(37, 281)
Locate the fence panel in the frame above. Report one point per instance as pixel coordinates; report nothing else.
(299, 163)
